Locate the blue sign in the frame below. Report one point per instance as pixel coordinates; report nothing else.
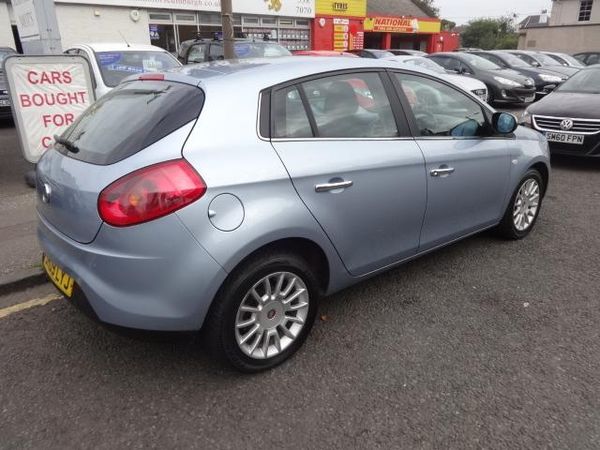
(108, 58)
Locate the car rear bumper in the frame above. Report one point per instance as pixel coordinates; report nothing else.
(154, 276)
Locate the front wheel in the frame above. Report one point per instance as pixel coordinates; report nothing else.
(264, 312)
(524, 207)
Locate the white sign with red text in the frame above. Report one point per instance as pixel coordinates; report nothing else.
(47, 94)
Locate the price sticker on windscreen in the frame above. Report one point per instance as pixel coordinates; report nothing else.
(48, 93)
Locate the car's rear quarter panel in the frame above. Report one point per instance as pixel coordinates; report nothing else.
(226, 150)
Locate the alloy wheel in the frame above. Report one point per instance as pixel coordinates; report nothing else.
(526, 204)
(271, 315)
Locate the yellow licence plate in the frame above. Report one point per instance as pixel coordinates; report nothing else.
(61, 279)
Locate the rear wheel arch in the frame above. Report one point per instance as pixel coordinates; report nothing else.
(307, 249)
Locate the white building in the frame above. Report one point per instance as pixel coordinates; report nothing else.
(573, 26)
(166, 23)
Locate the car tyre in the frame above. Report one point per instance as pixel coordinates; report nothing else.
(524, 207)
(232, 308)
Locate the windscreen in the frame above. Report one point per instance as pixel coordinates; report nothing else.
(528, 59)
(546, 60)
(513, 60)
(426, 64)
(568, 58)
(585, 81)
(479, 63)
(118, 65)
(381, 53)
(130, 118)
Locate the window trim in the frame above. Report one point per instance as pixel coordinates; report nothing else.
(585, 10)
(402, 124)
(486, 109)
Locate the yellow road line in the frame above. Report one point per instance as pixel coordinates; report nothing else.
(4, 312)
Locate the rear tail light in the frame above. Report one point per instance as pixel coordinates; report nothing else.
(150, 193)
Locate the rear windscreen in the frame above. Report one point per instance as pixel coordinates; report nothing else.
(130, 118)
(116, 66)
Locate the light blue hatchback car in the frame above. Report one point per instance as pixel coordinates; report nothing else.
(231, 197)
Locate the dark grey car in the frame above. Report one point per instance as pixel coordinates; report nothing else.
(5, 111)
(503, 85)
(204, 50)
(546, 80)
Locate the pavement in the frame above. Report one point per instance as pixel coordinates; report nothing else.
(484, 344)
(19, 251)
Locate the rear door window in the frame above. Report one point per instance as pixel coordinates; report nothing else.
(130, 118)
(352, 105)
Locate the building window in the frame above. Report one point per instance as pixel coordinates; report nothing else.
(585, 10)
(164, 17)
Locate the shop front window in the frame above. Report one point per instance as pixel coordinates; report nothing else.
(163, 36)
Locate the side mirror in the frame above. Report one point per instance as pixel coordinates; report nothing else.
(504, 123)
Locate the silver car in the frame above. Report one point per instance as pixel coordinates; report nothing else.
(231, 197)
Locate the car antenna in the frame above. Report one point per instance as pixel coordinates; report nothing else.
(124, 38)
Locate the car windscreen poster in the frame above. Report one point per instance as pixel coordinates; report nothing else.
(48, 93)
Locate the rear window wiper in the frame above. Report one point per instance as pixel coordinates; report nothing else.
(66, 144)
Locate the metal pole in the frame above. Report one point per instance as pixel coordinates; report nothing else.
(227, 24)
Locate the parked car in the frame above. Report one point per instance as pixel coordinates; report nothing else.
(564, 59)
(371, 53)
(545, 80)
(503, 85)
(537, 59)
(5, 111)
(588, 58)
(323, 53)
(403, 51)
(570, 116)
(110, 63)
(205, 50)
(469, 84)
(173, 222)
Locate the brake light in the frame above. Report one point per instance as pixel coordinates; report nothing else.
(152, 76)
(150, 193)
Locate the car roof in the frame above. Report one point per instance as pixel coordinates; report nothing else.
(118, 46)
(260, 73)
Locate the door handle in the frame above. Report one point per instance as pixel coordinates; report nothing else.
(441, 171)
(333, 186)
